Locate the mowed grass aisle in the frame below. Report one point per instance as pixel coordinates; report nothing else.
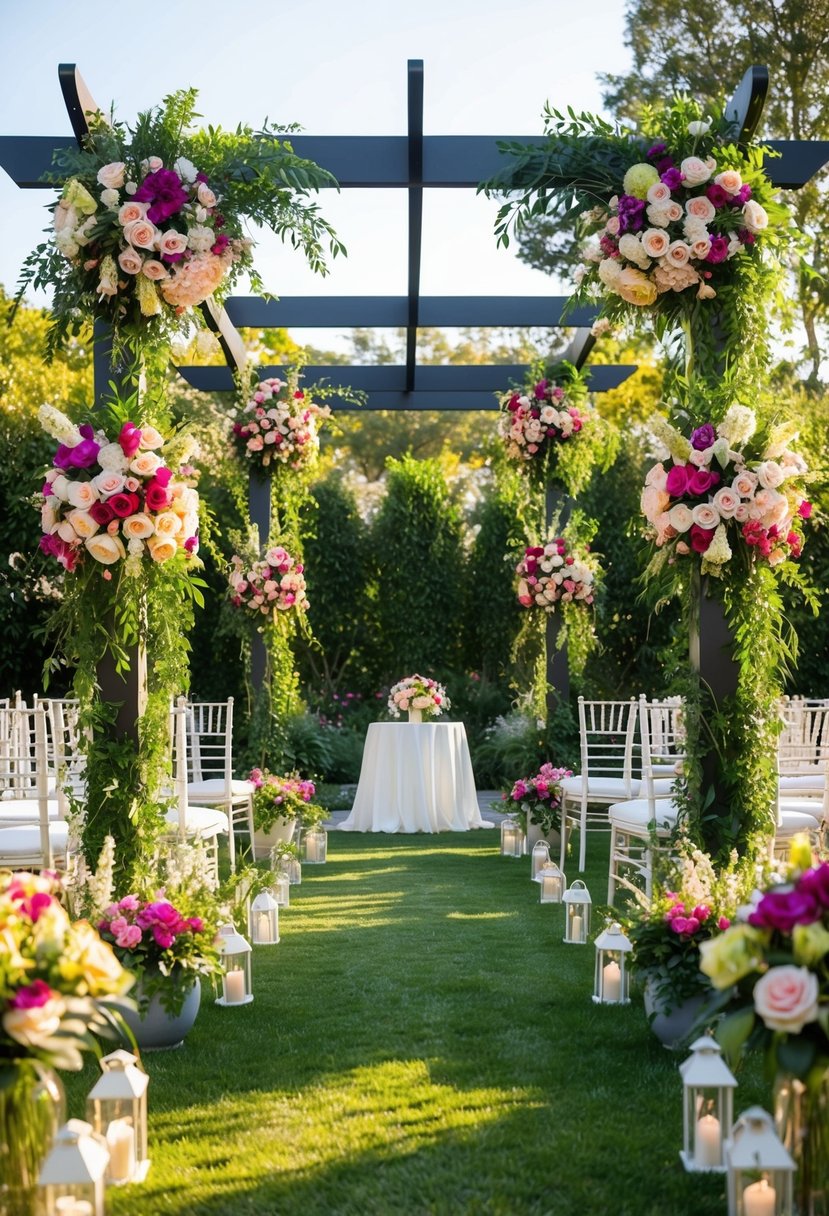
(421, 1041)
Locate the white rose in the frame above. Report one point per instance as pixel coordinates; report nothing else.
(150, 437)
(681, 517)
(112, 176)
(60, 487)
(705, 516)
(755, 217)
(109, 482)
(694, 171)
(205, 195)
(185, 169)
(769, 474)
(106, 549)
(82, 494)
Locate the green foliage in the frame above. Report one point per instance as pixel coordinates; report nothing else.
(418, 555)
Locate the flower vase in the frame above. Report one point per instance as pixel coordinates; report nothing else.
(671, 1023)
(801, 1116)
(415, 715)
(155, 1028)
(32, 1108)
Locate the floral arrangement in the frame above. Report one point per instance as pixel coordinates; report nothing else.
(278, 797)
(539, 797)
(724, 493)
(553, 574)
(692, 903)
(418, 692)
(150, 220)
(269, 587)
(280, 425)
(117, 500)
(58, 978)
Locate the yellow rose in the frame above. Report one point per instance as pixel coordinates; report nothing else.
(735, 953)
(635, 287)
(800, 852)
(639, 179)
(162, 548)
(95, 961)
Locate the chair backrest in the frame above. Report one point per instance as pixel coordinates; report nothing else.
(662, 738)
(65, 743)
(179, 718)
(210, 740)
(803, 751)
(607, 731)
(26, 769)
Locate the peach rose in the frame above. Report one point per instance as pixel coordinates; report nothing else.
(694, 171)
(106, 549)
(745, 483)
(678, 253)
(83, 523)
(108, 482)
(138, 526)
(172, 242)
(658, 193)
(655, 242)
(82, 494)
(49, 515)
(653, 502)
(730, 180)
(129, 261)
(162, 548)
(769, 474)
(141, 233)
(700, 248)
(145, 464)
(786, 998)
(701, 208)
(112, 176)
(754, 216)
(150, 437)
(152, 164)
(65, 217)
(673, 211)
(705, 516)
(612, 226)
(131, 212)
(205, 195)
(635, 288)
(726, 501)
(154, 270)
(168, 524)
(656, 476)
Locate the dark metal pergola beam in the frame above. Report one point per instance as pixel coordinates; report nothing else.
(415, 193)
(391, 312)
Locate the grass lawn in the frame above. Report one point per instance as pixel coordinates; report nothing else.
(421, 1041)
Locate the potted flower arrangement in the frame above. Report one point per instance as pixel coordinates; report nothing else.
(418, 695)
(60, 984)
(279, 803)
(537, 801)
(692, 903)
(771, 973)
(280, 425)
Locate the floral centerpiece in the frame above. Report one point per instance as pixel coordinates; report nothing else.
(552, 574)
(771, 970)
(418, 693)
(280, 425)
(60, 984)
(269, 587)
(151, 218)
(730, 489)
(121, 499)
(278, 797)
(538, 798)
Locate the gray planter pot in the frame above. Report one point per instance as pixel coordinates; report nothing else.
(671, 1028)
(159, 1030)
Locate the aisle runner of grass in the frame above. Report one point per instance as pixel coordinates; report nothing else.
(421, 1042)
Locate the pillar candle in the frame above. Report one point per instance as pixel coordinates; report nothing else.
(708, 1141)
(759, 1199)
(263, 933)
(234, 987)
(576, 928)
(611, 982)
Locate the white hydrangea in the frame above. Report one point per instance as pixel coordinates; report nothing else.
(111, 457)
(738, 425)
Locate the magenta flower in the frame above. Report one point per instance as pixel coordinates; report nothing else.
(703, 437)
(130, 439)
(676, 483)
(130, 903)
(163, 190)
(815, 883)
(163, 937)
(701, 481)
(700, 538)
(805, 509)
(717, 250)
(716, 195)
(32, 996)
(781, 910)
(672, 178)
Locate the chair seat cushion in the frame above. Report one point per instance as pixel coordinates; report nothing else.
(606, 789)
(212, 789)
(201, 820)
(791, 822)
(24, 810)
(24, 841)
(803, 781)
(637, 813)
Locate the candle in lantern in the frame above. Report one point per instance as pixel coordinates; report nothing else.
(708, 1141)
(234, 982)
(120, 1139)
(312, 848)
(262, 932)
(576, 928)
(611, 982)
(68, 1205)
(759, 1199)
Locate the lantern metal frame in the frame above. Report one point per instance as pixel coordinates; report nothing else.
(708, 1093)
(122, 1086)
(236, 950)
(755, 1153)
(552, 882)
(577, 907)
(317, 855)
(539, 857)
(264, 915)
(75, 1168)
(611, 947)
(512, 838)
(281, 888)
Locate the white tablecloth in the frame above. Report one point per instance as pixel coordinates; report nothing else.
(416, 777)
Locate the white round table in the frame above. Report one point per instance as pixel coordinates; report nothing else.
(415, 777)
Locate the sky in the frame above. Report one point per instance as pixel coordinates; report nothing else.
(336, 69)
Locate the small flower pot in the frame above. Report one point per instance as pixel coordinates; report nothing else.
(281, 832)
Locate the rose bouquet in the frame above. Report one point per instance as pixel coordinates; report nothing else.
(727, 489)
(551, 574)
(270, 587)
(538, 798)
(283, 798)
(280, 425)
(536, 419)
(117, 500)
(420, 693)
(150, 220)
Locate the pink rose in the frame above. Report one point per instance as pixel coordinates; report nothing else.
(129, 261)
(701, 208)
(141, 234)
(655, 242)
(205, 195)
(171, 243)
(786, 998)
(705, 516)
(726, 501)
(678, 253)
(658, 193)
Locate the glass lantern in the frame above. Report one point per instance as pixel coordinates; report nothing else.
(552, 882)
(708, 1109)
(117, 1109)
(760, 1169)
(612, 980)
(316, 846)
(264, 920)
(235, 953)
(512, 838)
(577, 904)
(540, 858)
(281, 889)
(72, 1178)
(291, 866)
